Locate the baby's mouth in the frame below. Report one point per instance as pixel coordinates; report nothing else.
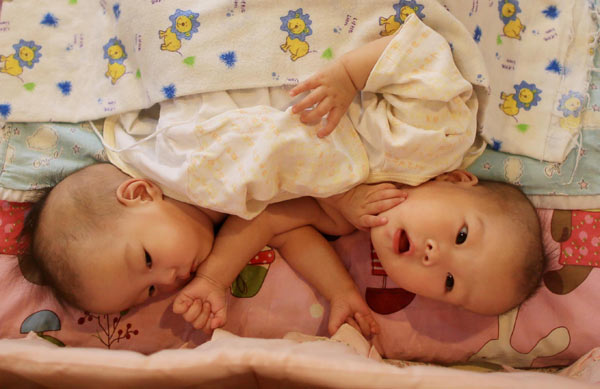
(401, 242)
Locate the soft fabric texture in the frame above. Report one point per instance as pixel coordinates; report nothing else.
(218, 45)
(555, 327)
(533, 46)
(539, 56)
(36, 156)
(228, 361)
(416, 119)
(268, 300)
(572, 184)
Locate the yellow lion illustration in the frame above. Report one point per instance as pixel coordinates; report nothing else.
(184, 24)
(404, 8)
(11, 65)
(390, 25)
(114, 51)
(571, 106)
(513, 29)
(525, 97)
(27, 53)
(296, 47)
(171, 43)
(509, 104)
(297, 25)
(508, 14)
(406, 11)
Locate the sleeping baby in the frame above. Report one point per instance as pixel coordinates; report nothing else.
(448, 237)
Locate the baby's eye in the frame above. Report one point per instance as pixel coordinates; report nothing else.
(151, 290)
(148, 260)
(449, 282)
(462, 235)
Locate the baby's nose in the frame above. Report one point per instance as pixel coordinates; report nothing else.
(170, 276)
(431, 254)
(181, 272)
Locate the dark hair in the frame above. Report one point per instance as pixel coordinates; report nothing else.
(514, 204)
(37, 267)
(60, 221)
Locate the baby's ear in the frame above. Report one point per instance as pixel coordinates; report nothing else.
(137, 191)
(459, 176)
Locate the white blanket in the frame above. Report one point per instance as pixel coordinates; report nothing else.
(79, 60)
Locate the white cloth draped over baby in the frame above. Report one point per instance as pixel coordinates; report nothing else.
(238, 151)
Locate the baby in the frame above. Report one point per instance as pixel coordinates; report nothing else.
(476, 245)
(398, 109)
(105, 242)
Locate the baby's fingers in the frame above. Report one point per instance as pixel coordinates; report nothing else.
(219, 319)
(368, 325)
(182, 303)
(304, 86)
(193, 311)
(313, 98)
(370, 221)
(377, 207)
(333, 118)
(383, 192)
(314, 115)
(203, 318)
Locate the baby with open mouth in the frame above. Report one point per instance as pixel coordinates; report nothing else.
(470, 243)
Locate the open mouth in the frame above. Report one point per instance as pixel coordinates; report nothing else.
(401, 242)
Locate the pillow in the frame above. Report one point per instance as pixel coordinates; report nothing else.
(36, 155)
(269, 299)
(572, 184)
(262, 312)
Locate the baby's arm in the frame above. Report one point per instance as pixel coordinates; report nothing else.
(334, 87)
(309, 254)
(203, 301)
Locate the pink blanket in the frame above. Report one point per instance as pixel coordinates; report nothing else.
(268, 300)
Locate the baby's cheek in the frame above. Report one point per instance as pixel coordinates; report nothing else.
(177, 285)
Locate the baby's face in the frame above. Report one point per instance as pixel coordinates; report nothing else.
(442, 243)
(153, 248)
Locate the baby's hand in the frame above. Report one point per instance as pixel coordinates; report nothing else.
(203, 303)
(332, 90)
(349, 307)
(362, 204)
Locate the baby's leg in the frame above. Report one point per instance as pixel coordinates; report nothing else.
(309, 253)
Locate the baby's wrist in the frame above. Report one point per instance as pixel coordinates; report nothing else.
(343, 292)
(344, 62)
(213, 281)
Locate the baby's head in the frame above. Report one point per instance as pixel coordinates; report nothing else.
(473, 244)
(104, 241)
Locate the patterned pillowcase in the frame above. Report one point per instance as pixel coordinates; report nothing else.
(37, 155)
(574, 183)
(269, 300)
